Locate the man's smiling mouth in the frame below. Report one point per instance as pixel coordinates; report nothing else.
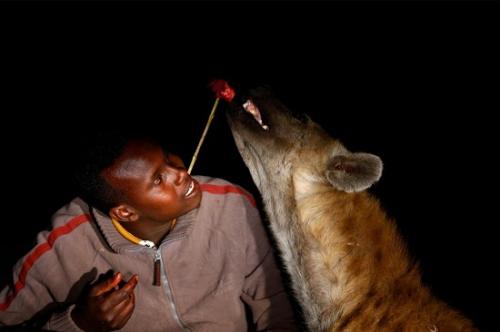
(190, 189)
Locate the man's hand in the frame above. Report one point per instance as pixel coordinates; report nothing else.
(107, 306)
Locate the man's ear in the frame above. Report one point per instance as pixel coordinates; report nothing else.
(354, 172)
(124, 212)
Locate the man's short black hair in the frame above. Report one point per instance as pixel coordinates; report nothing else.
(98, 151)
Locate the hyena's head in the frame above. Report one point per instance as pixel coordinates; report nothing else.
(295, 153)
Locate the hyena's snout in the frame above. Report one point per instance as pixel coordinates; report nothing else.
(244, 113)
(258, 115)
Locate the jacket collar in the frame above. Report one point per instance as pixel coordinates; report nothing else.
(119, 244)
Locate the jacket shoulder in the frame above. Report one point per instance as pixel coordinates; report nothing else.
(77, 207)
(68, 220)
(221, 187)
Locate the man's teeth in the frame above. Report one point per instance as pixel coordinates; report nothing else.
(190, 189)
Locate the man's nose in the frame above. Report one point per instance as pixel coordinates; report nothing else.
(180, 175)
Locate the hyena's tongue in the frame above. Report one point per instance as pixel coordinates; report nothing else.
(251, 108)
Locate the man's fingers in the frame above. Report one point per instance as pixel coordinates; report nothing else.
(106, 285)
(124, 313)
(118, 296)
(130, 285)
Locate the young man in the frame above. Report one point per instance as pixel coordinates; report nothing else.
(147, 247)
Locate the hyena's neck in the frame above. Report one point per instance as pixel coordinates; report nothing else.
(350, 248)
(281, 210)
(339, 248)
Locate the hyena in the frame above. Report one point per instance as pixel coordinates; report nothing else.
(349, 267)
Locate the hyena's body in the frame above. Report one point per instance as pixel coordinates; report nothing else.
(348, 265)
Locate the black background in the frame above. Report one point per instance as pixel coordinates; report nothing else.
(415, 83)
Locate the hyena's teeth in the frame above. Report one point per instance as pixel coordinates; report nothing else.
(250, 107)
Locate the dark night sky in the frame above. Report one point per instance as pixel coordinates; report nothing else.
(410, 83)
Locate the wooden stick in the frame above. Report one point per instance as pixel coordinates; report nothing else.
(211, 116)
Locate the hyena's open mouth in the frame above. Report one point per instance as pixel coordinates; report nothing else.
(250, 107)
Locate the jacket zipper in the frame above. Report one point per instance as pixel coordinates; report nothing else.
(157, 270)
(160, 279)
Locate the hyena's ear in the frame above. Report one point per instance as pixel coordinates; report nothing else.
(354, 172)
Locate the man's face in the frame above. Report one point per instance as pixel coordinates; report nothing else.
(155, 183)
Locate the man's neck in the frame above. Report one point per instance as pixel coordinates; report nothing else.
(154, 232)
